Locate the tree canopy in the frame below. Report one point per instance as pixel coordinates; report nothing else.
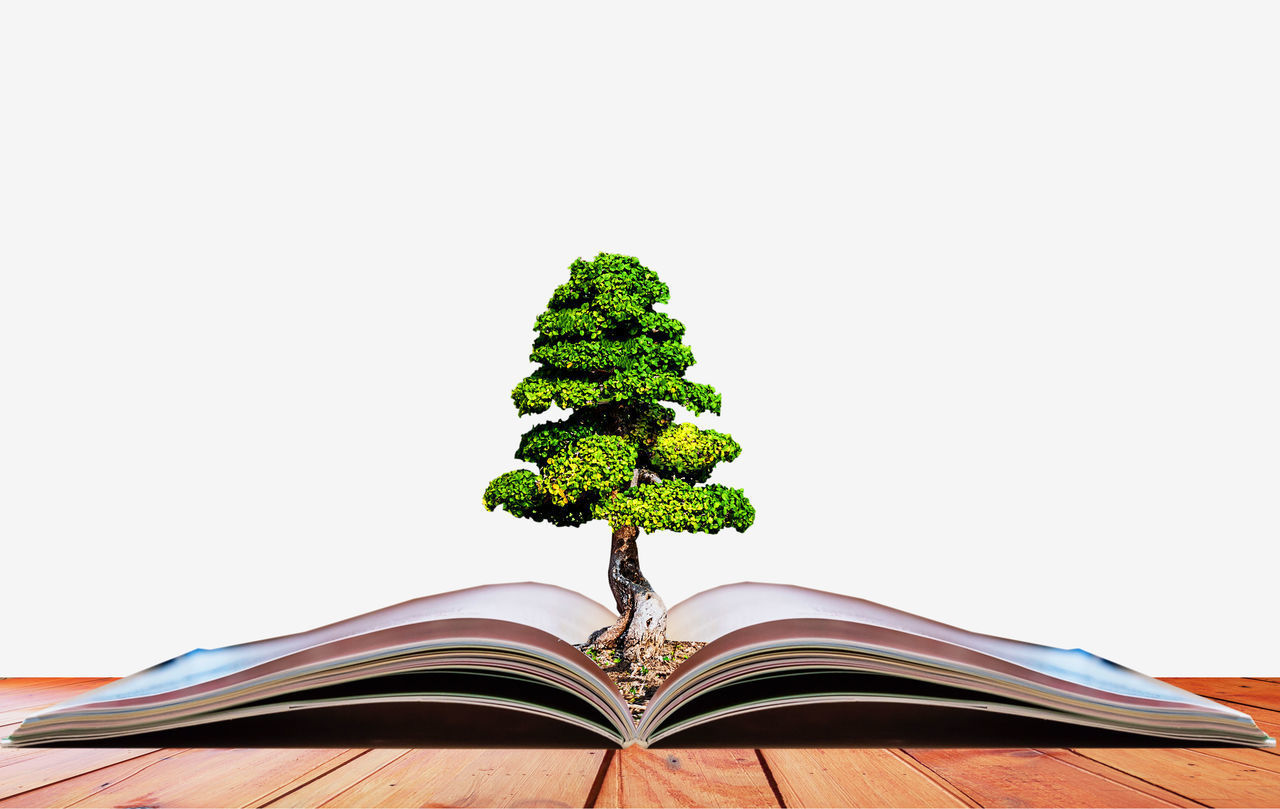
(606, 355)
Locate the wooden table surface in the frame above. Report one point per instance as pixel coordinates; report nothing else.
(635, 777)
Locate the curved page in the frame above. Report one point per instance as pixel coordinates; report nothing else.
(567, 615)
(717, 612)
(905, 663)
(449, 645)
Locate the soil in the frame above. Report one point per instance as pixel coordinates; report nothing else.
(637, 683)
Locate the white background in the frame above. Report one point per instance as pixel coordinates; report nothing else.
(990, 292)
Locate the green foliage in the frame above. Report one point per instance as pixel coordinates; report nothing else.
(676, 505)
(596, 464)
(542, 389)
(660, 326)
(641, 352)
(581, 322)
(515, 491)
(636, 385)
(518, 493)
(606, 355)
(642, 427)
(539, 443)
(617, 286)
(687, 452)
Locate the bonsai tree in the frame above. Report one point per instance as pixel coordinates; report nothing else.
(608, 357)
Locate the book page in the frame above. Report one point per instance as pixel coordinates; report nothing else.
(478, 662)
(567, 615)
(717, 612)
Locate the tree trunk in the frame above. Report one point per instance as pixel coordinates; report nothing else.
(641, 628)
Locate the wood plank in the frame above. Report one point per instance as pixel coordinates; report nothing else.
(329, 785)
(310, 777)
(205, 777)
(13, 755)
(23, 685)
(639, 777)
(477, 778)
(41, 766)
(27, 684)
(864, 777)
(1024, 777)
(1210, 780)
(52, 691)
(1074, 759)
(16, 705)
(1243, 690)
(1249, 756)
(610, 794)
(81, 788)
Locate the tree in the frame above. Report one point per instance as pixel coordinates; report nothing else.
(607, 356)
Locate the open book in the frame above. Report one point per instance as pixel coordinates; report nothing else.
(494, 666)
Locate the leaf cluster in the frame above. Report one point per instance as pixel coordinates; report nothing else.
(686, 452)
(596, 464)
(676, 505)
(517, 491)
(606, 355)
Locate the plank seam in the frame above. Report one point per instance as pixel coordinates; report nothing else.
(934, 776)
(939, 777)
(267, 798)
(1206, 752)
(103, 767)
(1139, 777)
(597, 784)
(148, 765)
(367, 776)
(768, 776)
(1217, 698)
(1113, 780)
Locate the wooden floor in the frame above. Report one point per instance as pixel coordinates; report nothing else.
(378, 777)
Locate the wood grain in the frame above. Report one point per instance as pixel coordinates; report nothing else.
(1024, 777)
(17, 704)
(1078, 761)
(291, 787)
(74, 790)
(39, 767)
(1207, 779)
(1242, 690)
(329, 785)
(28, 684)
(203, 777)
(474, 778)
(1249, 756)
(857, 778)
(639, 777)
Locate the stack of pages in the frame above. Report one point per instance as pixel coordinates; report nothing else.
(494, 666)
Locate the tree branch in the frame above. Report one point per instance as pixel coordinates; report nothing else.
(643, 475)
